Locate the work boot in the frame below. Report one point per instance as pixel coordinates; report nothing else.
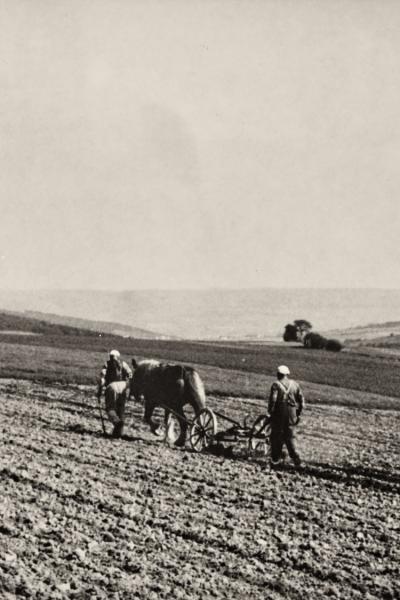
(297, 461)
(274, 464)
(118, 430)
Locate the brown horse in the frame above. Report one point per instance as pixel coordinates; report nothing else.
(169, 386)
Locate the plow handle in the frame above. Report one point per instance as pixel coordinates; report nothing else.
(101, 414)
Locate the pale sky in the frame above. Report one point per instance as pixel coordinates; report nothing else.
(187, 144)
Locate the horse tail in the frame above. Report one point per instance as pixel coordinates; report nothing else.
(194, 389)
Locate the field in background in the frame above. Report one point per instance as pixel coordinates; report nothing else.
(59, 352)
(77, 366)
(77, 359)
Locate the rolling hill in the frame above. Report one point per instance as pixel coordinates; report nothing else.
(108, 327)
(35, 322)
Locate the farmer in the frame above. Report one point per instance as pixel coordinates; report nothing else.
(115, 376)
(286, 402)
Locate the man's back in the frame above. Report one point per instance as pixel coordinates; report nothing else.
(116, 371)
(285, 402)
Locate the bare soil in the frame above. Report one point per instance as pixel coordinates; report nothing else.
(83, 516)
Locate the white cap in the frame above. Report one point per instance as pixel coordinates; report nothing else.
(283, 370)
(115, 353)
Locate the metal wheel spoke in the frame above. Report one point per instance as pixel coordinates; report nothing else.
(206, 422)
(203, 422)
(203, 430)
(259, 434)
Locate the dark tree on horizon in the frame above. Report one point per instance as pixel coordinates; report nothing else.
(291, 333)
(295, 332)
(315, 341)
(303, 325)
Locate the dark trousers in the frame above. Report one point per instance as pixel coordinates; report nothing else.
(115, 407)
(281, 437)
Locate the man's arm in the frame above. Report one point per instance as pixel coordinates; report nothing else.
(273, 396)
(300, 401)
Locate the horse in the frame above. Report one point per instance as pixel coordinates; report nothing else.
(169, 386)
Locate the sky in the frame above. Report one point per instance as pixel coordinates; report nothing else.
(199, 144)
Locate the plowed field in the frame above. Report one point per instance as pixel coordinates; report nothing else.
(83, 516)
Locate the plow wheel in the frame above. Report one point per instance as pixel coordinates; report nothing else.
(203, 430)
(259, 436)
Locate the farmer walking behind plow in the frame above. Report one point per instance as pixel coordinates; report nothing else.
(286, 403)
(115, 376)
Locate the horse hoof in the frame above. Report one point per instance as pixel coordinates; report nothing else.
(157, 430)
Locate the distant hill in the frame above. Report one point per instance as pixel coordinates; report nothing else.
(12, 323)
(107, 327)
(368, 334)
(36, 323)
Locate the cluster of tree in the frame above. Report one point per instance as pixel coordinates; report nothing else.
(319, 342)
(300, 331)
(296, 331)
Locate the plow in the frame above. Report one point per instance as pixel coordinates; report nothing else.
(205, 430)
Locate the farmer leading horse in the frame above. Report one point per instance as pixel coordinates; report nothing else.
(169, 386)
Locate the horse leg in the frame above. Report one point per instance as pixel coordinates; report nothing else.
(181, 440)
(169, 427)
(148, 412)
(150, 405)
